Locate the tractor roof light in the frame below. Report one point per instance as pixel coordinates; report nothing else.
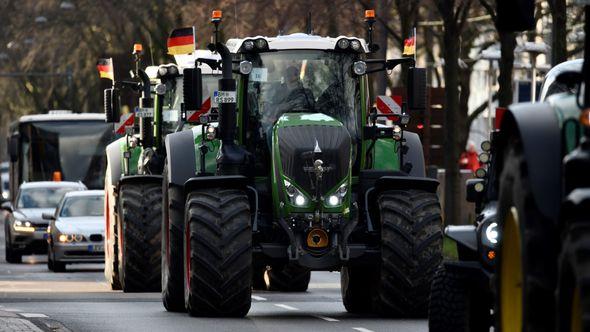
(343, 44)
(248, 45)
(369, 15)
(359, 68)
(216, 16)
(486, 146)
(137, 48)
(479, 187)
(261, 44)
(245, 67)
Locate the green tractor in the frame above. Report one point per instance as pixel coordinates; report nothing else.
(133, 183)
(543, 188)
(297, 175)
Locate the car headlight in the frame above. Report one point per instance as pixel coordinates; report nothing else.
(338, 196)
(23, 226)
(491, 233)
(69, 238)
(296, 197)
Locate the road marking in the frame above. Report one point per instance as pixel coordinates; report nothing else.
(258, 298)
(33, 315)
(284, 306)
(362, 329)
(327, 319)
(11, 310)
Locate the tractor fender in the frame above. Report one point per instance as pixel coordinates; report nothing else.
(465, 235)
(133, 179)
(114, 160)
(538, 128)
(415, 154)
(576, 204)
(180, 148)
(223, 181)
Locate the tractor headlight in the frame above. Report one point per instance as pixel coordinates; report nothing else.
(245, 67)
(23, 226)
(355, 44)
(359, 67)
(491, 233)
(397, 132)
(337, 197)
(162, 71)
(211, 131)
(296, 197)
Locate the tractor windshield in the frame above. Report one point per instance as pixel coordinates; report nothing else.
(173, 99)
(303, 81)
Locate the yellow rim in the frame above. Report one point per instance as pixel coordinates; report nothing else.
(576, 319)
(511, 275)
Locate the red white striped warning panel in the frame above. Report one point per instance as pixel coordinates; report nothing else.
(193, 116)
(125, 121)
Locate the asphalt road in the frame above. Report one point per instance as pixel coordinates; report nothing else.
(32, 298)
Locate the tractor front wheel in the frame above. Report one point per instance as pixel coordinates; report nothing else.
(218, 253)
(288, 278)
(172, 251)
(411, 251)
(140, 207)
(526, 263)
(573, 291)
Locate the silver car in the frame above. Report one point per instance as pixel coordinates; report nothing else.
(76, 231)
(25, 230)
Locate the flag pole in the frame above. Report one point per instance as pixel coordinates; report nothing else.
(415, 45)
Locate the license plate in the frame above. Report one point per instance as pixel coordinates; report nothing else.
(224, 97)
(144, 112)
(96, 248)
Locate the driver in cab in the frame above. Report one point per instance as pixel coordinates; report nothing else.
(291, 95)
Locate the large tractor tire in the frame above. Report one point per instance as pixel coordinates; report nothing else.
(411, 251)
(140, 216)
(454, 306)
(13, 256)
(172, 249)
(288, 278)
(111, 248)
(525, 282)
(357, 285)
(573, 290)
(218, 247)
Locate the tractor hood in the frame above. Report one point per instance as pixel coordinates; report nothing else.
(304, 140)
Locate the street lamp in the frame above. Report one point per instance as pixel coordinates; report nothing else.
(534, 50)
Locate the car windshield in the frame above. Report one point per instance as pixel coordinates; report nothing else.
(303, 81)
(174, 98)
(82, 206)
(40, 198)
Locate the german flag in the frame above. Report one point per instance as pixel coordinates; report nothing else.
(105, 68)
(181, 41)
(410, 46)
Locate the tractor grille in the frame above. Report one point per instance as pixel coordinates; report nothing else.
(335, 143)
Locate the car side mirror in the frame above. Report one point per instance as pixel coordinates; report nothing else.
(112, 106)
(192, 92)
(48, 216)
(13, 143)
(516, 15)
(417, 89)
(475, 190)
(7, 206)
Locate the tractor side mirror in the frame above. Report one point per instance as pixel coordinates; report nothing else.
(13, 143)
(516, 15)
(7, 206)
(48, 216)
(112, 107)
(191, 86)
(475, 190)
(417, 89)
